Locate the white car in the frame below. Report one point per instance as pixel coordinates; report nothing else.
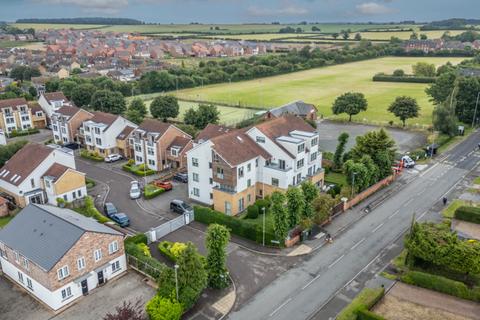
(113, 157)
(135, 192)
(408, 162)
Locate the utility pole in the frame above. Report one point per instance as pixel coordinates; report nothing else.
(176, 278)
(263, 239)
(475, 113)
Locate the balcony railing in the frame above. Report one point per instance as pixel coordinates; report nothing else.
(276, 166)
(227, 189)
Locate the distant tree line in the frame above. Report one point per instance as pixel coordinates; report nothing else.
(451, 24)
(8, 29)
(467, 36)
(85, 20)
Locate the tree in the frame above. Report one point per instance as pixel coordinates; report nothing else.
(342, 142)
(134, 116)
(127, 311)
(310, 192)
(357, 175)
(423, 36)
(424, 69)
(32, 91)
(7, 151)
(358, 36)
(444, 119)
(414, 36)
(350, 103)
(466, 97)
(67, 86)
(442, 87)
(280, 215)
(322, 206)
(345, 35)
(295, 206)
(316, 29)
(164, 107)
(82, 94)
(372, 170)
(404, 108)
(139, 105)
(398, 73)
(200, 118)
(108, 101)
(162, 308)
(335, 35)
(216, 243)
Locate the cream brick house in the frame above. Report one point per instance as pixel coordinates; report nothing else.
(15, 115)
(58, 255)
(66, 122)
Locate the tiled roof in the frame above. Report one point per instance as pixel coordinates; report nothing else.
(56, 171)
(125, 132)
(11, 103)
(236, 147)
(34, 107)
(180, 142)
(21, 165)
(297, 107)
(55, 96)
(154, 126)
(212, 131)
(283, 126)
(103, 117)
(68, 111)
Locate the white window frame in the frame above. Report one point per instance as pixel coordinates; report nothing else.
(66, 293)
(116, 266)
(195, 177)
(97, 255)
(196, 192)
(195, 162)
(113, 247)
(63, 272)
(81, 263)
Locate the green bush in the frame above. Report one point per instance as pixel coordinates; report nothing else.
(91, 155)
(412, 79)
(89, 183)
(145, 263)
(252, 212)
(366, 299)
(364, 314)
(262, 203)
(240, 227)
(89, 210)
(160, 308)
(136, 171)
(171, 250)
(136, 239)
(470, 214)
(441, 284)
(16, 133)
(152, 191)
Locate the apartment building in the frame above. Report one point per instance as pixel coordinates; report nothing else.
(99, 133)
(52, 101)
(230, 170)
(15, 115)
(159, 145)
(65, 123)
(58, 255)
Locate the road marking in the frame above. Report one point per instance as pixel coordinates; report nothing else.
(378, 227)
(408, 202)
(358, 243)
(310, 282)
(280, 307)
(336, 261)
(394, 214)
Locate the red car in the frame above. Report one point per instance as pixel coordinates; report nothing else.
(166, 185)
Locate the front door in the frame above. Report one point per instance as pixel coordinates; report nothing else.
(84, 287)
(100, 277)
(38, 199)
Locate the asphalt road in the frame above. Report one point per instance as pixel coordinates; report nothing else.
(300, 292)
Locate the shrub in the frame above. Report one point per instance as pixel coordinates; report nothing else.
(412, 79)
(144, 263)
(263, 203)
(470, 214)
(138, 238)
(160, 308)
(252, 212)
(89, 210)
(131, 162)
(364, 314)
(152, 191)
(171, 250)
(441, 284)
(16, 133)
(89, 183)
(91, 155)
(136, 171)
(366, 299)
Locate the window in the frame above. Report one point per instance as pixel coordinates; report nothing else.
(98, 141)
(211, 181)
(249, 182)
(299, 163)
(299, 178)
(113, 247)
(55, 128)
(65, 140)
(66, 293)
(26, 265)
(228, 208)
(281, 164)
(115, 266)
(249, 167)
(195, 177)
(32, 182)
(87, 129)
(314, 142)
(275, 182)
(79, 193)
(209, 165)
(301, 147)
(63, 273)
(63, 130)
(313, 156)
(138, 148)
(151, 162)
(256, 162)
(196, 192)
(65, 197)
(29, 284)
(211, 195)
(17, 257)
(174, 152)
(220, 173)
(139, 159)
(240, 172)
(150, 151)
(39, 114)
(81, 263)
(89, 139)
(3, 253)
(56, 137)
(195, 162)
(249, 198)
(260, 139)
(74, 195)
(20, 276)
(97, 254)
(97, 130)
(241, 204)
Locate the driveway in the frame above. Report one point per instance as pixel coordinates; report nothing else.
(330, 130)
(42, 136)
(16, 304)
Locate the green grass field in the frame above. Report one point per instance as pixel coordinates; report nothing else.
(20, 44)
(404, 35)
(322, 85)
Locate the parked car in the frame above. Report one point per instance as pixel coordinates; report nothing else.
(181, 177)
(109, 209)
(135, 192)
(166, 185)
(113, 157)
(72, 146)
(408, 162)
(121, 218)
(180, 207)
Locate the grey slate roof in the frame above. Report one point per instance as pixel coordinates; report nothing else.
(299, 108)
(44, 234)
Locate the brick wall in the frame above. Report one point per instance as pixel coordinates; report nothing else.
(368, 192)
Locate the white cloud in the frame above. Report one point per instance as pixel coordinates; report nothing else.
(289, 10)
(373, 8)
(105, 6)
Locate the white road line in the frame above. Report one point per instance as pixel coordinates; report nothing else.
(408, 202)
(378, 227)
(310, 282)
(394, 214)
(358, 243)
(280, 307)
(336, 261)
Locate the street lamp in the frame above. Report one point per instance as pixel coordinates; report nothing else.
(353, 183)
(263, 239)
(475, 113)
(176, 279)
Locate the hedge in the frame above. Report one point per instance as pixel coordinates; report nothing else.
(441, 284)
(138, 238)
(16, 133)
(240, 227)
(466, 213)
(89, 210)
(152, 191)
(90, 155)
(364, 314)
(365, 300)
(411, 79)
(136, 251)
(171, 250)
(136, 170)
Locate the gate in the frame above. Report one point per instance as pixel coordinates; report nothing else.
(162, 230)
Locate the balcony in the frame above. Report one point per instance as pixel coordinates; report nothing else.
(226, 189)
(276, 166)
(319, 170)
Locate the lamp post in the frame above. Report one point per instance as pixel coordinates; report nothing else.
(176, 279)
(263, 238)
(475, 113)
(353, 183)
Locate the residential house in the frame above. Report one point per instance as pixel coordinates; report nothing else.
(15, 115)
(152, 141)
(39, 119)
(52, 101)
(298, 108)
(177, 152)
(99, 134)
(123, 142)
(65, 123)
(41, 174)
(57, 255)
(231, 170)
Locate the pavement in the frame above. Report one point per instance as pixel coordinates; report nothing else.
(303, 291)
(41, 137)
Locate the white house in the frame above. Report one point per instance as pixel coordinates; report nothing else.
(52, 101)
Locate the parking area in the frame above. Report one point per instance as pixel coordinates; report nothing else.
(42, 136)
(16, 304)
(329, 131)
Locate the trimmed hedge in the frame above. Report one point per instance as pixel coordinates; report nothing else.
(136, 170)
(252, 212)
(411, 79)
(136, 239)
(90, 155)
(364, 314)
(89, 210)
(136, 251)
(152, 191)
(21, 133)
(470, 214)
(441, 284)
(240, 227)
(365, 300)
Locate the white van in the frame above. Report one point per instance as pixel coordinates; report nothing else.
(408, 162)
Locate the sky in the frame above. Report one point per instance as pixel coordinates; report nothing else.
(243, 11)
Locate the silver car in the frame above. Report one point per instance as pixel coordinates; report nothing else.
(135, 191)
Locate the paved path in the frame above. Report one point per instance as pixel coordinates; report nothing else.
(301, 291)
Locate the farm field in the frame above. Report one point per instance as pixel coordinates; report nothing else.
(264, 36)
(405, 35)
(21, 44)
(322, 85)
(44, 26)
